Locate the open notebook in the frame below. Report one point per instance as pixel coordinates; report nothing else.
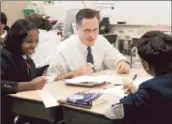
(94, 80)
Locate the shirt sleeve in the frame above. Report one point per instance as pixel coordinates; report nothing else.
(136, 103)
(131, 106)
(7, 87)
(57, 66)
(112, 55)
(115, 112)
(42, 55)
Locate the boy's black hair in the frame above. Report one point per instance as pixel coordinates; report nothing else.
(155, 47)
(16, 35)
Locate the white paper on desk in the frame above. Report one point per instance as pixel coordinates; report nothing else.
(117, 91)
(140, 80)
(98, 79)
(114, 79)
(48, 99)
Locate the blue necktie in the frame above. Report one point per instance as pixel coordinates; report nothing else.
(89, 56)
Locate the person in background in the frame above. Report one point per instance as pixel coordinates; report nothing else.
(151, 103)
(48, 40)
(1, 40)
(3, 25)
(81, 54)
(18, 72)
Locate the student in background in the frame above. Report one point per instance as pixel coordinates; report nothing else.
(79, 54)
(48, 40)
(18, 72)
(151, 103)
(3, 25)
(1, 40)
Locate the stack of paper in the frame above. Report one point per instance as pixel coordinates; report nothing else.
(117, 91)
(48, 99)
(140, 80)
(114, 79)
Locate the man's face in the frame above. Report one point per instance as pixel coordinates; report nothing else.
(88, 31)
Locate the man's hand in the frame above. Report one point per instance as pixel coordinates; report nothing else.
(85, 70)
(123, 67)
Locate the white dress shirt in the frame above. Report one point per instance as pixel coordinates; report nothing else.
(71, 54)
(47, 45)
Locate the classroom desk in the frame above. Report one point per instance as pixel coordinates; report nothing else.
(95, 115)
(76, 115)
(30, 104)
(72, 115)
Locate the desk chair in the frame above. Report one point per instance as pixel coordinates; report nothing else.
(111, 38)
(134, 59)
(104, 26)
(69, 20)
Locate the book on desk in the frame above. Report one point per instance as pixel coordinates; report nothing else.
(81, 99)
(85, 99)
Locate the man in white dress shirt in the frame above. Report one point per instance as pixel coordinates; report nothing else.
(86, 52)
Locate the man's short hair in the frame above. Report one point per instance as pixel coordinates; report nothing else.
(88, 14)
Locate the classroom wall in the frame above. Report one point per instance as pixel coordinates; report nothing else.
(132, 12)
(143, 12)
(136, 31)
(13, 9)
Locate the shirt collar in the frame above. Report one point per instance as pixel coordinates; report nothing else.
(83, 47)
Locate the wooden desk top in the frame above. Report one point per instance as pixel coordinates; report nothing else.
(61, 91)
(28, 95)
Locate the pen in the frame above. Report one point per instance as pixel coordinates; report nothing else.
(93, 69)
(135, 76)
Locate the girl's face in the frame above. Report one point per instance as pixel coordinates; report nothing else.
(30, 42)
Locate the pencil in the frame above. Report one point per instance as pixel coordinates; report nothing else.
(135, 76)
